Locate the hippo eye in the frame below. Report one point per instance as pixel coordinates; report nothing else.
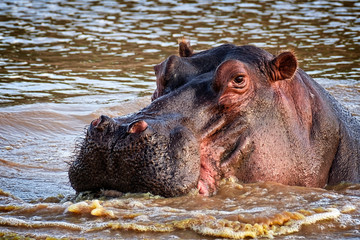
(239, 81)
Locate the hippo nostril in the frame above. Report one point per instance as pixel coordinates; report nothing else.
(101, 122)
(95, 122)
(137, 126)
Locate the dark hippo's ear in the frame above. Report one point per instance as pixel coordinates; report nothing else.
(185, 49)
(163, 71)
(283, 66)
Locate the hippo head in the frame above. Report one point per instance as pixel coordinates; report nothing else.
(216, 113)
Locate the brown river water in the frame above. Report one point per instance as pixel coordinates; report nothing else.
(65, 62)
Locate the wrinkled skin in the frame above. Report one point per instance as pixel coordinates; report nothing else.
(228, 111)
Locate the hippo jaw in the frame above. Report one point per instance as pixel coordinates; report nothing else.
(136, 157)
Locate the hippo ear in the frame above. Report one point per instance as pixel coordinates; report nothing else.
(185, 49)
(163, 72)
(283, 66)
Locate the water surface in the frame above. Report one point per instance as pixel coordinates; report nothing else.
(63, 63)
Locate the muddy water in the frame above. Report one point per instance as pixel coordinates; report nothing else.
(62, 63)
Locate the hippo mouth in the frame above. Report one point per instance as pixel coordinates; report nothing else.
(136, 157)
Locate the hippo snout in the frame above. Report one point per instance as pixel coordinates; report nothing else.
(134, 154)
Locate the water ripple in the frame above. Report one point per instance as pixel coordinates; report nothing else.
(93, 40)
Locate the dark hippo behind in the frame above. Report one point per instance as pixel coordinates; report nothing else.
(228, 111)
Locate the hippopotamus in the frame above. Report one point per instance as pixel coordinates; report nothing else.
(227, 111)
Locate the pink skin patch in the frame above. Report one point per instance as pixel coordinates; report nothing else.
(206, 187)
(209, 170)
(207, 183)
(208, 176)
(202, 188)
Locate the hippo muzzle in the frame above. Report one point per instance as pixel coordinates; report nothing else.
(132, 154)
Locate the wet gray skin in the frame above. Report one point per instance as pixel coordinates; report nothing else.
(150, 151)
(227, 111)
